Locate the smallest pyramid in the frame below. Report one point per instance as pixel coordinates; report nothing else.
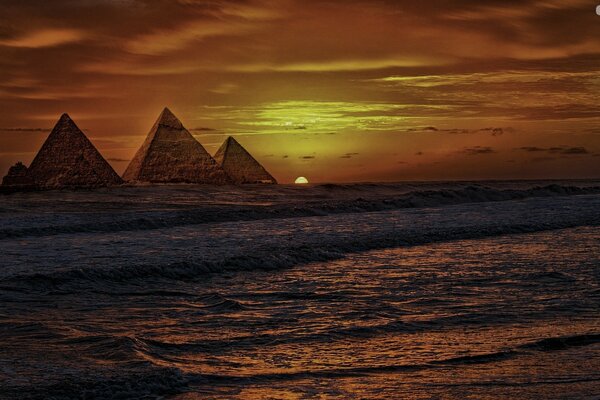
(18, 177)
(240, 165)
(68, 159)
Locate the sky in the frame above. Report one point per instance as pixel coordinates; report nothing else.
(337, 91)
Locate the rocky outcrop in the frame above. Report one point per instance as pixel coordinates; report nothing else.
(170, 154)
(67, 159)
(240, 165)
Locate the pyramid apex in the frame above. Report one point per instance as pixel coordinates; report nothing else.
(167, 118)
(65, 121)
(65, 117)
(232, 140)
(166, 111)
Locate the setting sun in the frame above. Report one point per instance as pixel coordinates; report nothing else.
(301, 180)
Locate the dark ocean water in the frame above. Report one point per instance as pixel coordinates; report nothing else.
(414, 290)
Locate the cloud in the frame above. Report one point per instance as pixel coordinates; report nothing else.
(501, 77)
(555, 94)
(341, 65)
(225, 88)
(477, 150)
(25, 129)
(349, 155)
(203, 129)
(139, 67)
(497, 131)
(212, 20)
(247, 10)
(45, 38)
(164, 41)
(532, 149)
(118, 159)
(569, 150)
(492, 131)
(564, 150)
(307, 157)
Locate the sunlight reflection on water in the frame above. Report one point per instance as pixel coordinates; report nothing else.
(474, 318)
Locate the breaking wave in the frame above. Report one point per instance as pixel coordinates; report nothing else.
(111, 221)
(284, 255)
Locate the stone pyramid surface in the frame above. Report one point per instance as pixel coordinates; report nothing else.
(68, 159)
(240, 165)
(18, 175)
(170, 154)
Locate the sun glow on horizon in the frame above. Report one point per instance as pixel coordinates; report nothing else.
(301, 180)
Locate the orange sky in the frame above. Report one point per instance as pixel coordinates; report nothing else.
(351, 90)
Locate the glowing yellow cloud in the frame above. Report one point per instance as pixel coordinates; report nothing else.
(341, 65)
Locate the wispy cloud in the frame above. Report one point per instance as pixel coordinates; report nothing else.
(45, 38)
(164, 41)
(349, 155)
(341, 64)
(477, 150)
(565, 150)
(493, 131)
(114, 159)
(25, 129)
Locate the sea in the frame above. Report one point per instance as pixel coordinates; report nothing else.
(412, 290)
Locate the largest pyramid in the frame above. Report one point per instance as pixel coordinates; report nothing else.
(68, 159)
(240, 165)
(170, 154)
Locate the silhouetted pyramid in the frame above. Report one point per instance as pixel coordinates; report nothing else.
(18, 176)
(171, 154)
(68, 159)
(240, 165)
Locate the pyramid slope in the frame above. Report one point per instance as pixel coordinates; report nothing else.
(68, 159)
(170, 154)
(240, 165)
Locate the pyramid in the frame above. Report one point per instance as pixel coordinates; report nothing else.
(18, 177)
(170, 154)
(240, 165)
(68, 159)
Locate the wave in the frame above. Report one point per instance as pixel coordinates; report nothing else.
(475, 359)
(145, 379)
(563, 342)
(116, 221)
(284, 255)
(151, 383)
